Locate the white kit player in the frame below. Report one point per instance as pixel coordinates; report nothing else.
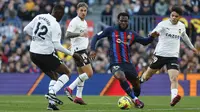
(46, 34)
(77, 32)
(167, 51)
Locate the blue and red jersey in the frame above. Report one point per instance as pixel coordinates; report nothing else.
(120, 43)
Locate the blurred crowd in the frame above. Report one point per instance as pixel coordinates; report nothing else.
(14, 45)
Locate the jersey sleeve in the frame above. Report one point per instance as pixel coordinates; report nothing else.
(158, 28)
(186, 39)
(142, 40)
(29, 28)
(72, 26)
(56, 33)
(100, 35)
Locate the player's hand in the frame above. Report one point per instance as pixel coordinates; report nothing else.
(84, 34)
(77, 56)
(154, 34)
(195, 51)
(92, 55)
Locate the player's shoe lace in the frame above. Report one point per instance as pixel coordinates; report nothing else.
(79, 101)
(138, 103)
(68, 92)
(175, 100)
(52, 107)
(53, 98)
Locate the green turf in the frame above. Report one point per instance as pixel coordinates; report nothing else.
(97, 104)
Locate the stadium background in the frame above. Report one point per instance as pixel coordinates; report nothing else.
(20, 76)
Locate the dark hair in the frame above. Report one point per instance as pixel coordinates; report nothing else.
(122, 14)
(82, 4)
(177, 9)
(58, 8)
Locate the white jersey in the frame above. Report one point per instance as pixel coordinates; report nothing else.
(169, 39)
(78, 26)
(44, 30)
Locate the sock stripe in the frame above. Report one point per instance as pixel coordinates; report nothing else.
(80, 86)
(80, 79)
(61, 81)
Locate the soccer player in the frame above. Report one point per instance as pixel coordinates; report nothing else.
(167, 51)
(46, 34)
(77, 32)
(121, 39)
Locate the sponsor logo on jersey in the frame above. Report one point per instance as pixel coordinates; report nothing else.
(172, 36)
(120, 41)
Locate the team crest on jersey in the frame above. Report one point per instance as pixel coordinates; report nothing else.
(129, 36)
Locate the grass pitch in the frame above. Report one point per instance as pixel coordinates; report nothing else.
(97, 104)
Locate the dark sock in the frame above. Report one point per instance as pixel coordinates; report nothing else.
(126, 87)
(137, 92)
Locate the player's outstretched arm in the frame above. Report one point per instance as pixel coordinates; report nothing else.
(144, 40)
(102, 34)
(188, 42)
(98, 36)
(60, 48)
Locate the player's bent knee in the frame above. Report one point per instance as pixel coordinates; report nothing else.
(174, 79)
(119, 75)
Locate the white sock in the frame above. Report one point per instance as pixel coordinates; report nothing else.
(174, 93)
(135, 98)
(51, 84)
(52, 102)
(62, 80)
(78, 80)
(80, 89)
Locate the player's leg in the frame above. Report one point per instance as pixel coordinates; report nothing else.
(85, 72)
(157, 63)
(135, 85)
(173, 71)
(120, 75)
(57, 66)
(79, 90)
(126, 87)
(39, 60)
(54, 77)
(147, 74)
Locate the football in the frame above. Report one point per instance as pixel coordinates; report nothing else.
(124, 103)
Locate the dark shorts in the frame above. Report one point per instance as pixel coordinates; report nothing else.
(46, 63)
(85, 57)
(127, 68)
(159, 61)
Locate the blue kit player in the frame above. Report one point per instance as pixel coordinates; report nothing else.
(120, 39)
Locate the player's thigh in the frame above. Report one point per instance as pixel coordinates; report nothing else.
(172, 63)
(84, 56)
(40, 61)
(85, 69)
(157, 62)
